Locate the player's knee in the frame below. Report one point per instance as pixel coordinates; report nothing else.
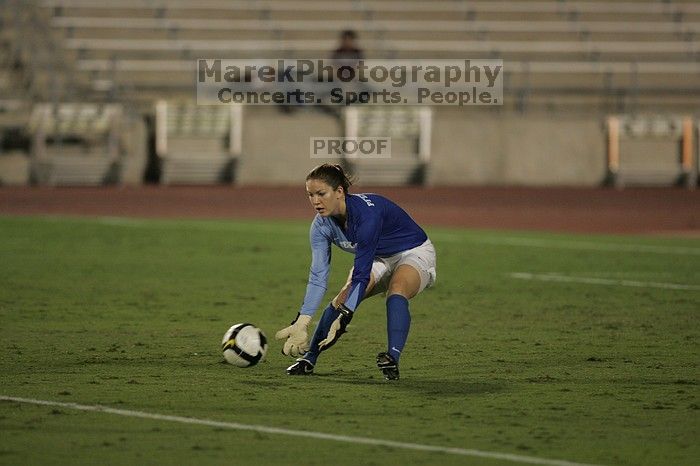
(335, 301)
(340, 297)
(405, 288)
(400, 289)
(406, 282)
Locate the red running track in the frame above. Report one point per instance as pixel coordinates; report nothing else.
(648, 211)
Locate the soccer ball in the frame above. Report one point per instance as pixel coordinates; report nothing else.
(244, 345)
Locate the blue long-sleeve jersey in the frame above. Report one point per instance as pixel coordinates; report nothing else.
(376, 227)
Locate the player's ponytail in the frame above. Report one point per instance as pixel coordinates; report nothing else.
(331, 174)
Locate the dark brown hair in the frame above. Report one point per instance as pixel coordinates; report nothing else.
(331, 174)
(348, 34)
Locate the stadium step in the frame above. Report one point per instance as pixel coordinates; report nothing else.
(71, 170)
(199, 170)
(388, 172)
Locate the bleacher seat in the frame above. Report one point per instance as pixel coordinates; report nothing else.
(75, 143)
(197, 144)
(410, 130)
(651, 150)
(121, 44)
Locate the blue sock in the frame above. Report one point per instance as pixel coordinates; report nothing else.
(398, 322)
(321, 332)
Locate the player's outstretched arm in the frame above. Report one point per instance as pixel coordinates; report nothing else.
(296, 334)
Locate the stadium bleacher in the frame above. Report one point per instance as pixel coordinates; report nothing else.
(567, 46)
(75, 143)
(197, 144)
(410, 130)
(588, 56)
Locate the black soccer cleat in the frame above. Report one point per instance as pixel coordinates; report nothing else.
(388, 365)
(301, 367)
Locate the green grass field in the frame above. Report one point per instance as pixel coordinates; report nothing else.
(129, 314)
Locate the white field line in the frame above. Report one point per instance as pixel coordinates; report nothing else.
(298, 433)
(552, 277)
(577, 245)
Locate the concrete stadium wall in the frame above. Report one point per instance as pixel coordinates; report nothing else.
(276, 145)
(470, 146)
(477, 146)
(14, 169)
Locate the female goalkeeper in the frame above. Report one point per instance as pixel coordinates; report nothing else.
(392, 254)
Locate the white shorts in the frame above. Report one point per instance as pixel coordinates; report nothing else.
(422, 258)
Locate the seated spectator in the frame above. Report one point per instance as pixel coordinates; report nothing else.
(348, 53)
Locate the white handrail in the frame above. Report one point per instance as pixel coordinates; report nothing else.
(564, 25)
(161, 128)
(651, 8)
(647, 47)
(559, 67)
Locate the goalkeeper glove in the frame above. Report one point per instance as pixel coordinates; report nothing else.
(338, 327)
(296, 335)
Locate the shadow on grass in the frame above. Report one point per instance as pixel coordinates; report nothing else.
(416, 384)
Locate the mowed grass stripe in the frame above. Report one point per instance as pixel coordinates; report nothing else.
(298, 433)
(546, 243)
(552, 277)
(446, 235)
(469, 236)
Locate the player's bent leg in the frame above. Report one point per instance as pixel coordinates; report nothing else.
(343, 293)
(324, 324)
(405, 283)
(339, 325)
